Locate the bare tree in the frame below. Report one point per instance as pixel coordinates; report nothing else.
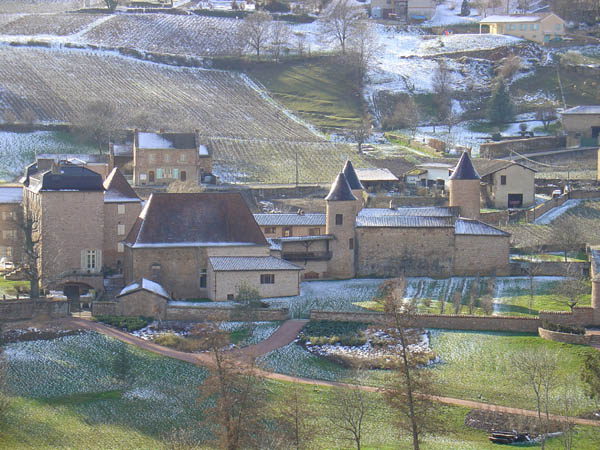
(456, 301)
(294, 416)
(409, 388)
(546, 115)
(111, 4)
(257, 29)
(537, 369)
(235, 395)
(362, 50)
(361, 134)
(405, 115)
(97, 123)
(27, 264)
(522, 6)
(4, 401)
(571, 290)
(280, 38)
(340, 22)
(566, 232)
(348, 411)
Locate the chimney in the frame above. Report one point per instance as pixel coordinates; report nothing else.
(55, 169)
(391, 204)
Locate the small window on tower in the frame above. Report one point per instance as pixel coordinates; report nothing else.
(351, 244)
(502, 179)
(339, 219)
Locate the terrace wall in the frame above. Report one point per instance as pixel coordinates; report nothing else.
(194, 313)
(11, 310)
(448, 322)
(551, 269)
(539, 144)
(567, 338)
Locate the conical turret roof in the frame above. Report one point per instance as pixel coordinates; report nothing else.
(351, 176)
(340, 190)
(464, 170)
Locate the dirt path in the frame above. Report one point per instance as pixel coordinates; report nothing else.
(283, 336)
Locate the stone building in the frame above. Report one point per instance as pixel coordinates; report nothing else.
(161, 158)
(205, 245)
(582, 125)
(10, 232)
(383, 242)
(97, 163)
(506, 184)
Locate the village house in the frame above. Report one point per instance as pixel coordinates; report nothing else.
(403, 10)
(541, 28)
(506, 184)
(582, 125)
(377, 179)
(10, 231)
(205, 245)
(161, 158)
(433, 174)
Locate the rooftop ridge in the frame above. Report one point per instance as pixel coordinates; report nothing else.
(351, 176)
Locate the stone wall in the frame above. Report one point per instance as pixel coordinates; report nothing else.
(442, 321)
(481, 255)
(503, 148)
(105, 309)
(224, 284)
(11, 310)
(567, 338)
(388, 252)
(536, 212)
(13, 237)
(550, 269)
(194, 313)
(142, 303)
(494, 217)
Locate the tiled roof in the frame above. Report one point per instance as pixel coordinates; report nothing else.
(322, 237)
(340, 190)
(425, 211)
(11, 194)
(351, 176)
(290, 219)
(488, 166)
(70, 178)
(376, 175)
(145, 285)
(250, 263)
(464, 169)
(195, 220)
(403, 222)
(476, 228)
(118, 189)
(584, 109)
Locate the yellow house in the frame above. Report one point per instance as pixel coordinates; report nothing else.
(540, 28)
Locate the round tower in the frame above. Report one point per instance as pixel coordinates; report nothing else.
(340, 223)
(464, 187)
(355, 184)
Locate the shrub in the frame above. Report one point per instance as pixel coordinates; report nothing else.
(550, 326)
(178, 342)
(127, 323)
(276, 6)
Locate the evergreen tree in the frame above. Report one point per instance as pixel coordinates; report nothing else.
(122, 365)
(501, 108)
(465, 8)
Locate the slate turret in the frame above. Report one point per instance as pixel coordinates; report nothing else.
(465, 188)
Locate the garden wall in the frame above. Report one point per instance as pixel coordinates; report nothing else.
(504, 148)
(550, 269)
(194, 313)
(494, 217)
(11, 310)
(448, 322)
(567, 338)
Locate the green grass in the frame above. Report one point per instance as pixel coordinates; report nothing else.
(411, 145)
(315, 89)
(239, 335)
(553, 128)
(9, 288)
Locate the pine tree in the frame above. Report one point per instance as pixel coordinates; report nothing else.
(122, 365)
(501, 109)
(465, 8)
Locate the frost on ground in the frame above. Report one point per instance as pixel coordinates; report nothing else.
(18, 149)
(555, 213)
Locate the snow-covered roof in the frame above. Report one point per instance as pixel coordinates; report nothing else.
(146, 285)
(11, 194)
(434, 165)
(380, 174)
(584, 109)
(250, 263)
(403, 222)
(510, 19)
(153, 140)
(74, 158)
(290, 219)
(118, 189)
(474, 227)
(423, 211)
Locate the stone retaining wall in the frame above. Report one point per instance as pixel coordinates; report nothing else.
(550, 269)
(444, 321)
(537, 144)
(11, 310)
(567, 338)
(193, 314)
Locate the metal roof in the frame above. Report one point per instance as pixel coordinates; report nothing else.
(11, 194)
(584, 109)
(340, 190)
(425, 211)
(403, 222)
(290, 219)
(146, 285)
(509, 19)
(381, 174)
(476, 228)
(464, 169)
(250, 263)
(351, 176)
(70, 178)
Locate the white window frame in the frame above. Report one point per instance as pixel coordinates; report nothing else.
(91, 259)
(121, 229)
(121, 208)
(120, 247)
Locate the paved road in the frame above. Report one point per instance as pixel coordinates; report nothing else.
(283, 336)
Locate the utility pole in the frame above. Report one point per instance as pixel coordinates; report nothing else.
(296, 168)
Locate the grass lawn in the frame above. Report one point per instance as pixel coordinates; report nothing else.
(314, 88)
(65, 395)
(411, 145)
(9, 288)
(551, 257)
